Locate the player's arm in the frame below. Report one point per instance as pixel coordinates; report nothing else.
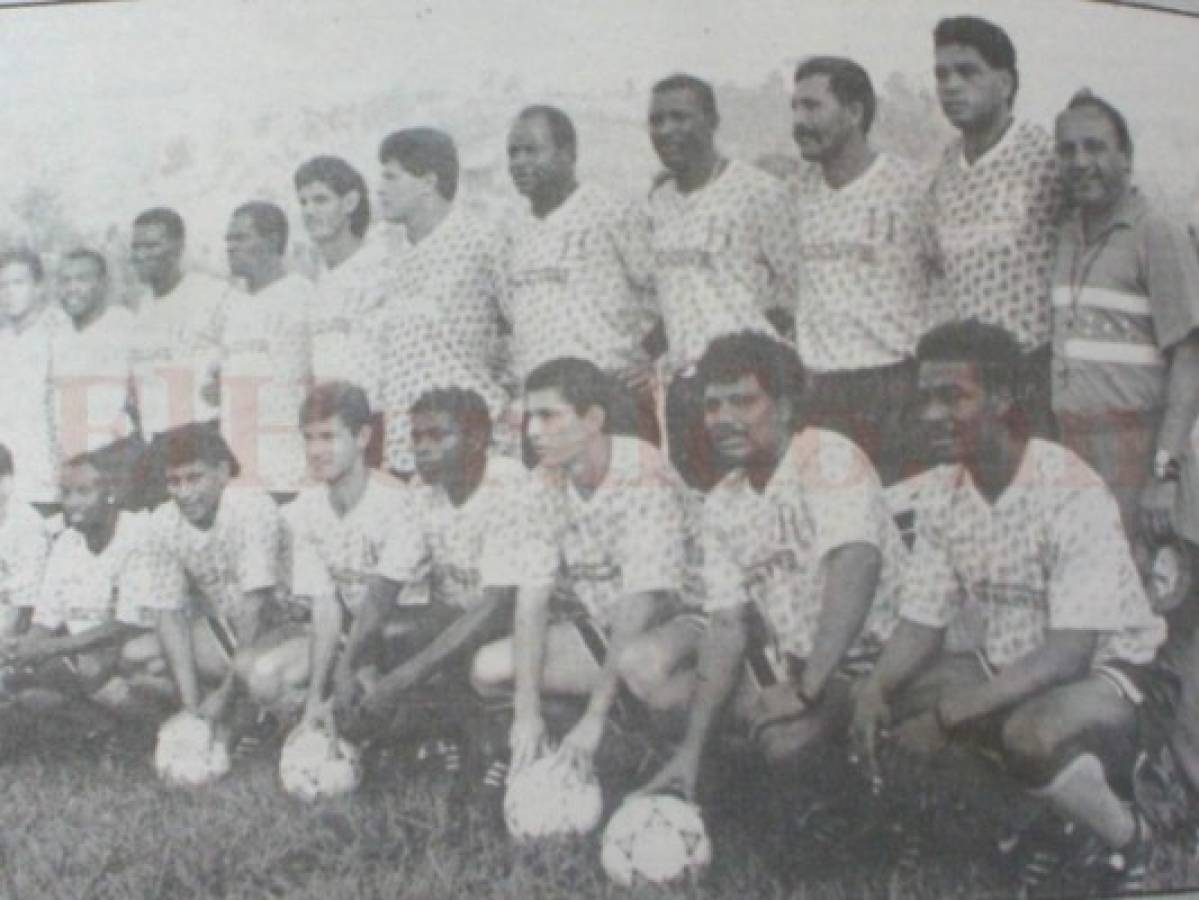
(367, 624)
(327, 622)
(1159, 499)
(851, 578)
(528, 652)
(720, 659)
(175, 635)
(40, 644)
(246, 618)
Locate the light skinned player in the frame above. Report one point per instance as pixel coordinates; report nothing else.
(800, 561)
(24, 544)
(618, 515)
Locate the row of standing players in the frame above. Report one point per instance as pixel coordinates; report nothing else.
(1100, 298)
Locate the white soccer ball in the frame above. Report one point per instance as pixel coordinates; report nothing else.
(548, 799)
(655, 839)
(315, 764)
(188, 752)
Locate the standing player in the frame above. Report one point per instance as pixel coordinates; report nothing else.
(24, 543)
(90, 362)
(726, 245)
(1023, 531)
(265, 354)
(220, 554)
(27, 420)
(443, 323)
(340, 527)
(801, 557)
(93, 614)
(858, 322)
(176, 338)
(617, 511)
(994, 198)
(579, 270)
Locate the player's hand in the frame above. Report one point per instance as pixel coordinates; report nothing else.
(921, 736)
(21, 650)
(871, 716)
(637, 378)
(345, 690)
(318, 715)
(579, 746)
(526, 740)
(1158, 501)
(677, 776)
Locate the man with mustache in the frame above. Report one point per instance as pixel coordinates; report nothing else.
(725, 241)
(857, 323)
(800, 558)
(1126, 358)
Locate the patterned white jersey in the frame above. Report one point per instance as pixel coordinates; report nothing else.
(769, 548)
(1050, 553)
(628, 537)
(28, 424)
(91, 373)
(24, 544)
(335, 555)
(442, 324)
(265, 370)
(494, 539)
(343, 319)
(579, 282)
(723, 255)
(83, 589)
(862, 249)
(175, 350)
(244, 550)
(993, 232)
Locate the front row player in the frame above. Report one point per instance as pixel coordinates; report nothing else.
(800, 560)
(616, 511)
(1027, 533)
(92, 635)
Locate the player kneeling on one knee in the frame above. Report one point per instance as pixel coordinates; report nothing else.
(799, 558)
(91, 635)
(1026, 534)
(616, 513)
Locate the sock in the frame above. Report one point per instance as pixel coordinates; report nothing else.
(1081, 793)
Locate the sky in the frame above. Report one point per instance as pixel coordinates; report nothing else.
(101, 88)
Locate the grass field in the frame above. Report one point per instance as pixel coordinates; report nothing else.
(84, 825)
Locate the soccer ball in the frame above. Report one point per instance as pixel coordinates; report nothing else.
(188, 753)
(655, 839)
(548, 799)
(315, 764)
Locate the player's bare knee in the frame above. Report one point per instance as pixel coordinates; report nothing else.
(491, 668)
(260, 675)
(1031, 740)
(642, 667)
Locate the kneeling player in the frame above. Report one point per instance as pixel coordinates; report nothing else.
(800, 559)
(340, 527)
(616, 511)
(91, 636)
(1025, 535)
(220, 548)
(470, 537)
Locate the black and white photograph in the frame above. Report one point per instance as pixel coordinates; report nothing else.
(599, 449)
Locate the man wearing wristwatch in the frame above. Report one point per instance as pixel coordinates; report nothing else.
(800, 557)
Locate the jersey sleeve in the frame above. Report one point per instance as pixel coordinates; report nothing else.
(1091, 568)
(25, 562)
(1171, 272)
(634, 247)
(49, 611)
(778, 238)
(151, 581)
(262, 537)
(652, 548)
(404, 556)
(518, 549)
(843, 494)
(929, 592)
(310, 577)
(724, 581)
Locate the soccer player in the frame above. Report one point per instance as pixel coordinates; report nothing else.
(726, 252)
(93, 614)
(1025, 535)
(340, 527)
(176, 338)
(801, 557)
(861, 243)
(265, 353)
(220, 556)
(579, 270)
(27, 420)
(443, 325)
(24, 543)
(470, 538)
(617, 511)
(993, 201)
(343, 318)
(90, 361)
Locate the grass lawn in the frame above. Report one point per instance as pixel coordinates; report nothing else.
(84, 826)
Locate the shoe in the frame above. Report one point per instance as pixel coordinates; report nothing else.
(1128, 867)
(442, 755)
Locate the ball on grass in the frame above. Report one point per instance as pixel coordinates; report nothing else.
(547, 799)
(188, 752)
(655, 839)
(315, 764)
